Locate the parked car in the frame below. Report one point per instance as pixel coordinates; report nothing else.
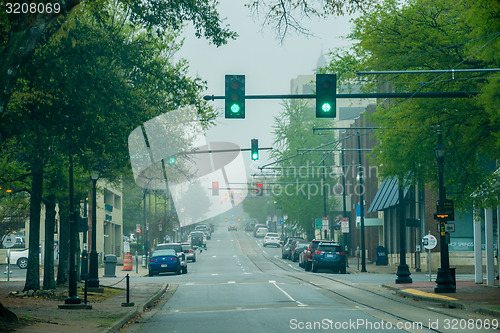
(256, 227)
(285, 250)
(250, 226)
(178, 249)
(296, 248)
(329, 255)
(232, 228)
(308, 254)
(164, 261)
(272, 238)
(20, 258)
(261, 232)
(189, 252)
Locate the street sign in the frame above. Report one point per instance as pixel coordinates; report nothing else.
(429, 242)
(325, 223)
(319, 223)
(344, 225)
(449, 227)
(137, 227)
(9, 240)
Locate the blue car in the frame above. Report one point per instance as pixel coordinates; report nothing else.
(329, 255)
(164, 261)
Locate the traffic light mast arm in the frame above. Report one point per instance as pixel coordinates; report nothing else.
(457, 94)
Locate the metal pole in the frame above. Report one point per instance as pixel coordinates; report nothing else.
(444, 280)
(361, 206)
(93, 259)
(403, 273)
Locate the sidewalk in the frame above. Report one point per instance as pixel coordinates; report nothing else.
(468, 296)
(106, 316)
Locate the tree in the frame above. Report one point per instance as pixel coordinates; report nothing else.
(21, 34)
(301, 192)
(87, 108)
(423, 35)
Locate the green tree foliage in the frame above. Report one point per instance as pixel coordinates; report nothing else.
(431, 35)
(95, 78)
(301, 194)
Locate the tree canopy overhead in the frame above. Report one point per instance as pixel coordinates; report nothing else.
(431, 35)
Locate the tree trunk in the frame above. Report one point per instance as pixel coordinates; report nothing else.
(63, 267)
(50, 220)
(33, 270)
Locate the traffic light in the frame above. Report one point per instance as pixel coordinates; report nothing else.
(235, 96)
(171, 160)
(255, 149)
(259, 189)
(326, 99)
(215, 188)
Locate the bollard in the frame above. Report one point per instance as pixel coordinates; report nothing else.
(143, 261)
(128, 293)
(136, 262)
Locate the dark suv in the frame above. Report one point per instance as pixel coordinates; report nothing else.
(329, 255)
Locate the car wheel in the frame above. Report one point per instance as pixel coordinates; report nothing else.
(342, 270)
(184, 269)
(265, 245)
(22, 263)
(294, 260)
(151, 273)
(179, 271)
(194, 260)
(307, 266)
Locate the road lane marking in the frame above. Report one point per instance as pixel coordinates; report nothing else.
(231, 282)
(287, 295)
(215, 274)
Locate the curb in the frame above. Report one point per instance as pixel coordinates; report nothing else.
(115, 327)
(446, 303)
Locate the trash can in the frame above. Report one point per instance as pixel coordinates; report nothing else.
(109, 265)
(381, 259)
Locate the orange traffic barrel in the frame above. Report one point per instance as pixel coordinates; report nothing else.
(127, 262)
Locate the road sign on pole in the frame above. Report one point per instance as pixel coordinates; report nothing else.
(9, 240)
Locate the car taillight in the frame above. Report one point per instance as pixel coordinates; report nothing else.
(341, 253)
(318, 252)
(175, 258)
(152, 260)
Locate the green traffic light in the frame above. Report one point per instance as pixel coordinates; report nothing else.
(171, 160)
(255, 156)
(326, 107)
(235, 108)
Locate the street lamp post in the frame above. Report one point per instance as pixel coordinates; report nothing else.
(361, 207)
(72, 294)
(93, 281)
(403, 273)
(444, 280)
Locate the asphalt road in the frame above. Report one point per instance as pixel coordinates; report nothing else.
(236, 285)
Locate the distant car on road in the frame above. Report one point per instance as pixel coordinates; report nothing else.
(272, 238)
(232, 228)
(296, 248)
(261, 232)
(285, 250)
(189, 252)
(164, 261)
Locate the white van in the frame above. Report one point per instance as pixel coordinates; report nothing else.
(261, 232)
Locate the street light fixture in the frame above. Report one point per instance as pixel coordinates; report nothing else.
(93, 281)
(444, 280)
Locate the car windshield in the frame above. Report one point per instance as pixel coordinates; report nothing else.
(269, 234)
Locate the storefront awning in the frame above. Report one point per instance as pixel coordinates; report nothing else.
(387, 195)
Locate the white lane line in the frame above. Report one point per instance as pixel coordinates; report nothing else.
(214, 256)
(287, 295)
(215, 274)
(231, 282)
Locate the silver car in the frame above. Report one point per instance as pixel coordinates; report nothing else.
(189, 252)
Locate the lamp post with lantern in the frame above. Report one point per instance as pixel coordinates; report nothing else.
(93, 281)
